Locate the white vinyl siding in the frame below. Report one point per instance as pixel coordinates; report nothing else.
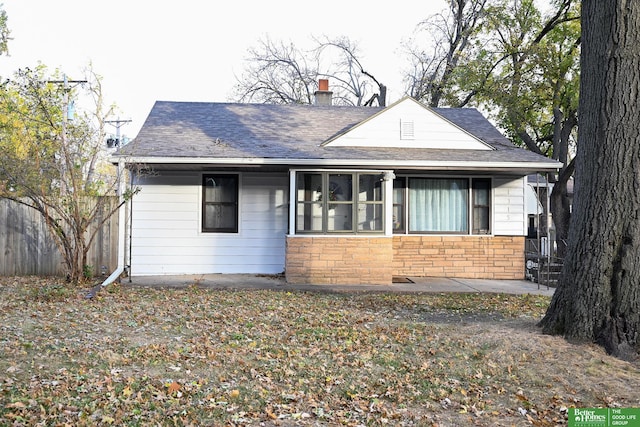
(509, 206)
(412, 125)
(167, 236)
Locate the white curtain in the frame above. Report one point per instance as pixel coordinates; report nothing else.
(438, 205)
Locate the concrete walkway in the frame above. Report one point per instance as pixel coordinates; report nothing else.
(420, 284)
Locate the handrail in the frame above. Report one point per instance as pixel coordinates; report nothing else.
(544, 268)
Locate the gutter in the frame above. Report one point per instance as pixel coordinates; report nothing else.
(122, 229)
(550, 165)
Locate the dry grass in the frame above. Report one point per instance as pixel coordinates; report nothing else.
(135, 356)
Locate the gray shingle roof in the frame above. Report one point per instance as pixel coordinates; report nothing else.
(267, 131)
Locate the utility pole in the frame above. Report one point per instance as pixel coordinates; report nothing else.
(117, 124)
(67, 113)
(65, 86)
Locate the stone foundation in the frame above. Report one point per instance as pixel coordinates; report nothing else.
(339, 260)
(375, 260)
(471, 257)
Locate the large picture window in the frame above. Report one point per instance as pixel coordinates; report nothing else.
(442, 205)
(220, 203)
(438, 205)
(332, 202)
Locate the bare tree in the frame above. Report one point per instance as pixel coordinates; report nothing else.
(281, 73)
(453, 36)
(278, 73)
(353, 82)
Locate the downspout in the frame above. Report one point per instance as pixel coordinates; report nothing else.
(122, 230)
(127, 257)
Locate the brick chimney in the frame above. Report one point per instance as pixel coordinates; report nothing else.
(323, 94)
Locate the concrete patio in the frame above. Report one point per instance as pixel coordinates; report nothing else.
(276, 282)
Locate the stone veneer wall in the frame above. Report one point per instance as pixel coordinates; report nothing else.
(339, 260)
(472, 257)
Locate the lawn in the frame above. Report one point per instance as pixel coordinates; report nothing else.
(193, 356)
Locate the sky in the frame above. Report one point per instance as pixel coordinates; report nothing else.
(192, 50)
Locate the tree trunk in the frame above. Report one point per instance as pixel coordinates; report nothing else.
(598, 297)
(561, 209)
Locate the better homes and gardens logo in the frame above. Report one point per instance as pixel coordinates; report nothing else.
(589, 417)
(604, 417)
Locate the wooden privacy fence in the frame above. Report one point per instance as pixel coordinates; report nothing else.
(27, 247)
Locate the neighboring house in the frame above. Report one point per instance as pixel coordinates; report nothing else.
(538, 194)
(541, 247)
(327, 194)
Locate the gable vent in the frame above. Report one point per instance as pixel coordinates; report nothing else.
(407, 129)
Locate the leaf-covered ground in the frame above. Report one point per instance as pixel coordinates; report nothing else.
(140, 356)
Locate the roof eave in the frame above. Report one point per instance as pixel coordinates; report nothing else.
(386, 164)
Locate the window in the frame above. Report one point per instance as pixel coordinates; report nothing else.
(438, 205)
(328, 202)
(220, 203)
(399, 224)
(481, 206)
(370, 203)
(442, 205)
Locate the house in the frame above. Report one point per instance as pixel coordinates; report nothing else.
(327, 194)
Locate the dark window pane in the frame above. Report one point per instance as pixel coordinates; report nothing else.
(340, 217)
(370, 217)
(399, 220)
(340, 188)
(369, 188)
(309, 187)
(220, 203)
(481, 220)
(481, 206)
(309, 217)
(220, 216)
(220, 189)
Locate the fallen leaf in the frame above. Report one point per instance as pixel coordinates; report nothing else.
(16, 405)
(173, 387)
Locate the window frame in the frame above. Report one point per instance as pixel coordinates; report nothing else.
(359, 204)
(235, 204)
(475, 205)
(403, 206)
(399, 225)
(328, 203)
